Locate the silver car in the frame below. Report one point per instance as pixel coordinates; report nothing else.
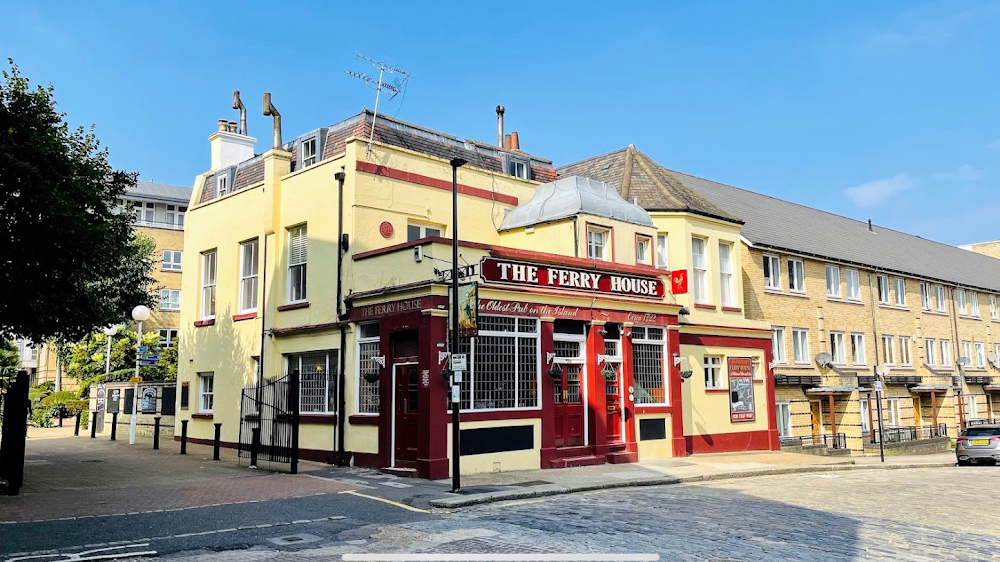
(977, 444)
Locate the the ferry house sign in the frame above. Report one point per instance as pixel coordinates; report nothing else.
(509, 272)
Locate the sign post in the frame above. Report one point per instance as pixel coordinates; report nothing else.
(880, 372)
(456, 403)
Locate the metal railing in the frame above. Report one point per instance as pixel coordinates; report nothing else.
(910, 433)
(835, 441)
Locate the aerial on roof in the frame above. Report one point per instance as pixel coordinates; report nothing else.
(160, 192)
(567, 197)
(638, 178)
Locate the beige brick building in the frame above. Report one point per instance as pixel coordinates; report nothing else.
(991, 249)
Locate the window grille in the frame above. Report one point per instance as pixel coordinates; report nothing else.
(368, 398)
(647, 361)
(504, 365)
(567, 349)
(317, 381)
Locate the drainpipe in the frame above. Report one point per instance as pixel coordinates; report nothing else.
(263, 331)
(878, 395)
(576, 238)
(342, 382)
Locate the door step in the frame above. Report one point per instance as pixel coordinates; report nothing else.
(404, 472)
(588, 460)
(621, 457)
(617, 447)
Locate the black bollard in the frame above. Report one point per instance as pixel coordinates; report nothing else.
(218, 438)
(156, 433)
(184, 437)
(254, 447)
(114, 425)
(93, 425)
(60, 418)
(76, 429)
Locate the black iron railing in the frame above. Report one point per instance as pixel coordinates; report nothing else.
(910, 433)
(835, 441)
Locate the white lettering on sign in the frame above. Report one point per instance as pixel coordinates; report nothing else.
(519, 273)
(385, 309)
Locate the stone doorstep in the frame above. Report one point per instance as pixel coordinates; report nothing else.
(520, 494)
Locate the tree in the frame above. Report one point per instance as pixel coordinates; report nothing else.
(10, 359)
(86, 362)
(71, 261)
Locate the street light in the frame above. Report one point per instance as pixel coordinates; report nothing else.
(140, 314)
(456, 402)
(110, 331)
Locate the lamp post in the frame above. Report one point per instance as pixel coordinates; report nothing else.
(456, 404)
(140, 314)
(110, 331)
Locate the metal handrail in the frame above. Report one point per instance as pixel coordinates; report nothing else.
(837, 441)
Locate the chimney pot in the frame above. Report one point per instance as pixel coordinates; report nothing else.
(223, 125)
(515, 144)
(506, 141)
(232, 127)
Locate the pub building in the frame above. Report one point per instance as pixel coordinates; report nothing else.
(604, 332)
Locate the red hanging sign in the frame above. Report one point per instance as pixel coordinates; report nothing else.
(679, 281)
(509, 272)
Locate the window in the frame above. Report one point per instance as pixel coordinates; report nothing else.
(662, 253)
(517, 168)
(248, 276)
(887, 350)
(505, 365)
(317, 380)
(726, 273)
(980, 355)
(900, 291)
(642, 250)
(180, 215)
(929, 352)
(206, 388)
(833, 281)
(597, 243)
(945, 353)
(170, 299)
(784, 412)
(713, 371)
(996, 352)
(974, 304)
(171, 260)
(969, 402)
(967, 350)
(904, 350)
(883, 289)
(308, 156)
(800, 345)
(150, 215)
(168, 337)
(865, 415)
(208, 285)
(963, 305)
(853, 285)
(418, 231)
(700, 265)
(925, 296)
(171, 214)
(647, 355)
(939, 298)
(993, 308)
(221, 185)
(858, 349)
(298, 249)
(368, 349)
(796, 276)
(893, 417)
(837, 348)
(778, 345)
(772, 272)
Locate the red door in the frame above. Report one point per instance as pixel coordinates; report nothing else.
(568, 402)
(613, 396)
(407, 381)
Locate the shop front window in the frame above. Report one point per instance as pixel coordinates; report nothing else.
(648, 367)
(504, 365)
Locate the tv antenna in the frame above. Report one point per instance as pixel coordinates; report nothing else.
(379, 85)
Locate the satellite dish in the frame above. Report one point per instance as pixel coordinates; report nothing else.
(882, 370)
(824, 359)
(993, 357)
(962, 361)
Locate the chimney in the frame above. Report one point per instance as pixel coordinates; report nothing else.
(500, 139)
(232, 127)
(514, 143)
(506, 141)
(229, 147)
(870, 226)
(223, 124)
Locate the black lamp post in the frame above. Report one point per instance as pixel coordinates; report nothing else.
(456, 405)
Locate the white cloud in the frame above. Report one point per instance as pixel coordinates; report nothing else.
(966, 172)
(875, 193)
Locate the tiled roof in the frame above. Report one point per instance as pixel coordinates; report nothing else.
(160, 192)
(639, 178)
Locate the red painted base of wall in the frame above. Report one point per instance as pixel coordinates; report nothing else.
(433, 469)
(761, 440)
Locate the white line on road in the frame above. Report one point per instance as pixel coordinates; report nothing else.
(350, 557)
(92, 554)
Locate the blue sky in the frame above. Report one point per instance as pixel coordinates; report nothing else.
(881, 110)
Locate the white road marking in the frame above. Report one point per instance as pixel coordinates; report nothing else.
(92, 554)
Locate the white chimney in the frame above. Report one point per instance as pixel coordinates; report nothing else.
(229, 148)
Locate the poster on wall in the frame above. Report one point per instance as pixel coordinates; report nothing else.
(468, 308)
(149, 401)
(741, 402)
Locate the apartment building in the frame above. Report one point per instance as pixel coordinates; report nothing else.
(991, 248)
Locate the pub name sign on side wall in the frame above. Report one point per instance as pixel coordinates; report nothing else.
(509, 272)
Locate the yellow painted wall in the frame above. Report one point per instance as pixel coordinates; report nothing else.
(656, 448)
(507, 461)
(709, 411)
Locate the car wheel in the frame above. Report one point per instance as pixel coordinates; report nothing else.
(964, 463)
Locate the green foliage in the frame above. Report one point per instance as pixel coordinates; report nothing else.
(8, 363)
(65, 403)
(41, 415)
(79, 262)
(87, 360)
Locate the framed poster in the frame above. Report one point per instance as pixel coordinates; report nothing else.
(741, 402)
(149, 400)
(468, 308)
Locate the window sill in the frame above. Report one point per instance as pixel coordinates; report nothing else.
(293, 306)
(716, 390)
(654, 409)
(207, 322)
(893, 307)
(364, 419)
(784, 294)
(169, 309)
(244, 316)
(704, 306)
(732, 309)
(966, 317)
(202, 416)
(318, 418)
(844, 301)
(936, 312)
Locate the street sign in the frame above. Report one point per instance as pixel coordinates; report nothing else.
(144, 363)
(135, 380)
(878, 386)
(147, 357)
(143, 348)
(458, 362)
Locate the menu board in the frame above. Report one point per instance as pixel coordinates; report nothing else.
(741, 402)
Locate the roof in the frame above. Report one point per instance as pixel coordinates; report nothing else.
(160, 192)
(572, 196)
(786, 226)
(638, 178)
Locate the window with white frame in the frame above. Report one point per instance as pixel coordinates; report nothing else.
(713, 371)
(894, 416)
(649, 371)
(772, 272)
(699, 263)
(206, 391)
(939, 298)
(517, 168)
(796, 276)
(662, 252)
(597, 243)
(308, 156)
(778, 345)
(925, 296)
(171, 260)
(317, 380)
(993, 308)
(222, 185)
(930, 349)
(904, 350)
(248, 276)
(208, 271)
(418, 231)
(168, 337)
(865, 415)
(996, 351)
(837, 348)
(980, 355)
(368, 350)
(853, 284)
(899, 291)
(784, 415)
(170, 299)
(800, 345)
(945, 353)
(961, 302)
(833, 281)
(858, 349)
(974, 304)
(969, 403)
(642, 244)
(298, 256)
(505, 364)
(888, 351)
(726, 274)
(967, 350)
(883, 289)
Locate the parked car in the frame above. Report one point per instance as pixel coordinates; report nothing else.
(978, 444)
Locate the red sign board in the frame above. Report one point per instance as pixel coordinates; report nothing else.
(679, 281)
(741, 401)
(509, 272)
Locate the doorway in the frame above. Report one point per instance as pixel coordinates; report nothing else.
(406, 384)
(570, 390)
(816, 409)
(612, 375)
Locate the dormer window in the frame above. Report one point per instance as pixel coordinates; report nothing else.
(597, 243)
(308, 152)
(222, 185)
(517, 167)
